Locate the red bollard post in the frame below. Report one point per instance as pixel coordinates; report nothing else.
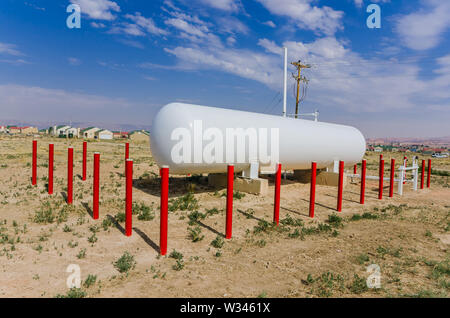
(229, 219)
(50, 168)
(312, 191)
(422, 177)
(429, 174)
(363, 182)
(128, 196)
(69, 175)
(276, 204)
(380, 180)
(34, 164)
(381, 157)
(96, 192)
(164, 172)
(391, 181)
(354, 169)
(340, 186)
(84, 159)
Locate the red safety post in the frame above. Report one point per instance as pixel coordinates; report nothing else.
(391, 181)
(129, 196)
(312, 191)
(340, 186)
(229, 219)
(50, 169)
(354, 169)
(34, 164)
(429, 173)
(380, 180)
(96, 190)
(381, 157)
(422, 177)
(69, 175)
(276, 204)
(84, 159)
(164, 172)
(363, 182)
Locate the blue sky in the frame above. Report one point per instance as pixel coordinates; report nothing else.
(129, 58)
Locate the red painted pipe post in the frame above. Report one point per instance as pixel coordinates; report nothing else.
(69, 175)
(84, 159)
(340, 186)
(380, 180)
(391, 181)
(276, 204)
(363, 181)
(312, 191)
(229, 219)
(129, 196)
(354, 169)
(422, 177)
(429, 174)
(164, 172)
(34, 164)
(96, 192)
(50, 168)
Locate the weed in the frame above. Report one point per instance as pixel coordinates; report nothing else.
(179, 265)
(195, 234)
(82, 253)
(90, 280)
(218, 242)
(176, 255)
(73, 293)
(125, 263)
(358, 285)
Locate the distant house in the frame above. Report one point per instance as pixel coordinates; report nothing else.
(58, 131)
(139, 135)
(89, 133)
(13, 130)
(120, 134)
(28, 130)
(378, 149)
(2, 129)
(104, 134)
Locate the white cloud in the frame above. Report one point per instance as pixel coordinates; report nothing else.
(424, 29)
(97, 25)
(98, 9)
(270, 46)
(270, 23)
(188, 28)
(306, 16)
(9, 49)
(146, 23)
(74, 61)
(340, 79)
(226, 5)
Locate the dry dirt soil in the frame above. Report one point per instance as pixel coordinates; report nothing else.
(407, 237)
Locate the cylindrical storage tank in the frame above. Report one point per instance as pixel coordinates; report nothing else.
(200, 139)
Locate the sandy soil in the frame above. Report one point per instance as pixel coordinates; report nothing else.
(407, 237)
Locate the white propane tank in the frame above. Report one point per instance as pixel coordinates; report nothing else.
(200, 139)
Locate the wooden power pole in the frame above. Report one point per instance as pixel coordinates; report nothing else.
(299, 66)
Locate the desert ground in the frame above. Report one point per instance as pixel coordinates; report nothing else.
(407, 236)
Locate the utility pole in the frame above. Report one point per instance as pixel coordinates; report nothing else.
(299, 66)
